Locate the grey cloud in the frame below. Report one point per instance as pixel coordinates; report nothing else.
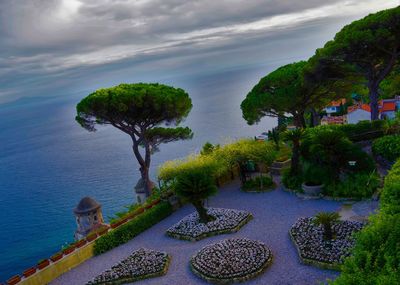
(55, 42)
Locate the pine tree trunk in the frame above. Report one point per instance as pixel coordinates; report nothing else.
(295, 164)
(204, 217)
(374, 96)
(328, 235)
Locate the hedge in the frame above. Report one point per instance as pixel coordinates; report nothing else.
(221, 160)
(364, 130)
(388, 147)
(132, 228)
(375, 259)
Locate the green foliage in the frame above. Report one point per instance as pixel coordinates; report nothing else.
(313, 175)
(294, 137)
(328, 148)
(132, 228)
(358, 186)
(376, 256)
(142, 111)
(156, 193)
(208, 148)
(326, 219)
(221, 160)
(292, 182)
(195, 184)
(367, 49)
(285, 91)
(390, 198)
(388, 147)
(131, 104)
(364, 130)
(258, 183)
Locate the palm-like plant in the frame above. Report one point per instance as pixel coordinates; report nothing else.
(194, 185)
(294, 136)
(326, 219)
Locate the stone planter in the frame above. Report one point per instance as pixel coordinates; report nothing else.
(91, 237)
(278, 166)
(14, 280)
(56, 257)
(28, 272)
(69, 250)
(80, 243)
(312, 190)
(43, 264)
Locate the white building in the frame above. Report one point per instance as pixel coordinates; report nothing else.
(357, 113)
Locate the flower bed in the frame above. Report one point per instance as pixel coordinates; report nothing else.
(231, 260)
(226, 221)
(314, 250)
(141, 264)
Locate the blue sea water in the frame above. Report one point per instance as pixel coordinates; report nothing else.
(48, 162)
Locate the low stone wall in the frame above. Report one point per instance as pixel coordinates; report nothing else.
(55, 269)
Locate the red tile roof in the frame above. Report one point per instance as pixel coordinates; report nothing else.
(388, 106)
(337, 103)
(364, 107)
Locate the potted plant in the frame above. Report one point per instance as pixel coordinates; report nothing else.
(28, 272)
(14, 280)
(115, 224)
(80, 243)
(56, 257)
(70, 248)
(139, 211)
(313, 180)
(102, 231)
(91, 237)
(43, 263)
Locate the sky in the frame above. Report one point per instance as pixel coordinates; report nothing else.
(57, 47)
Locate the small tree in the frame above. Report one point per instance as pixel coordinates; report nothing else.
(326, 219)
(194, 185)
(142, 111)
(294, 136)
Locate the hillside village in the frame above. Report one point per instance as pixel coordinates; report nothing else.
(340, 112)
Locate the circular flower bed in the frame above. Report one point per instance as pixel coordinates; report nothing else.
(312, 247)
(226, 221)
(231, 260)
(141, 264)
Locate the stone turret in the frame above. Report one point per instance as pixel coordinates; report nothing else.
(88, 217)
(140, 191)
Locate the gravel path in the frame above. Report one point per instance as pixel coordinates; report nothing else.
(274, 213)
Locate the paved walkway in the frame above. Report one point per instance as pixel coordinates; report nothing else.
(274, 213)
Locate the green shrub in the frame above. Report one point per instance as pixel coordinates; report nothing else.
(155, 194)
(388, 147)
(255, 183)
(292, 182)
(221, 160)
(375, 260)
(328, 150)
(132, 228)
(357, 186)
(390, 198)
(364, 130)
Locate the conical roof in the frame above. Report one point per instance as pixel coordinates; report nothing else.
(86, 205)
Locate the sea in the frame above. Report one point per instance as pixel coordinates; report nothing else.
(48, 162)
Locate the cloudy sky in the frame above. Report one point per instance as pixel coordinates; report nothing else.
(59, 46)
